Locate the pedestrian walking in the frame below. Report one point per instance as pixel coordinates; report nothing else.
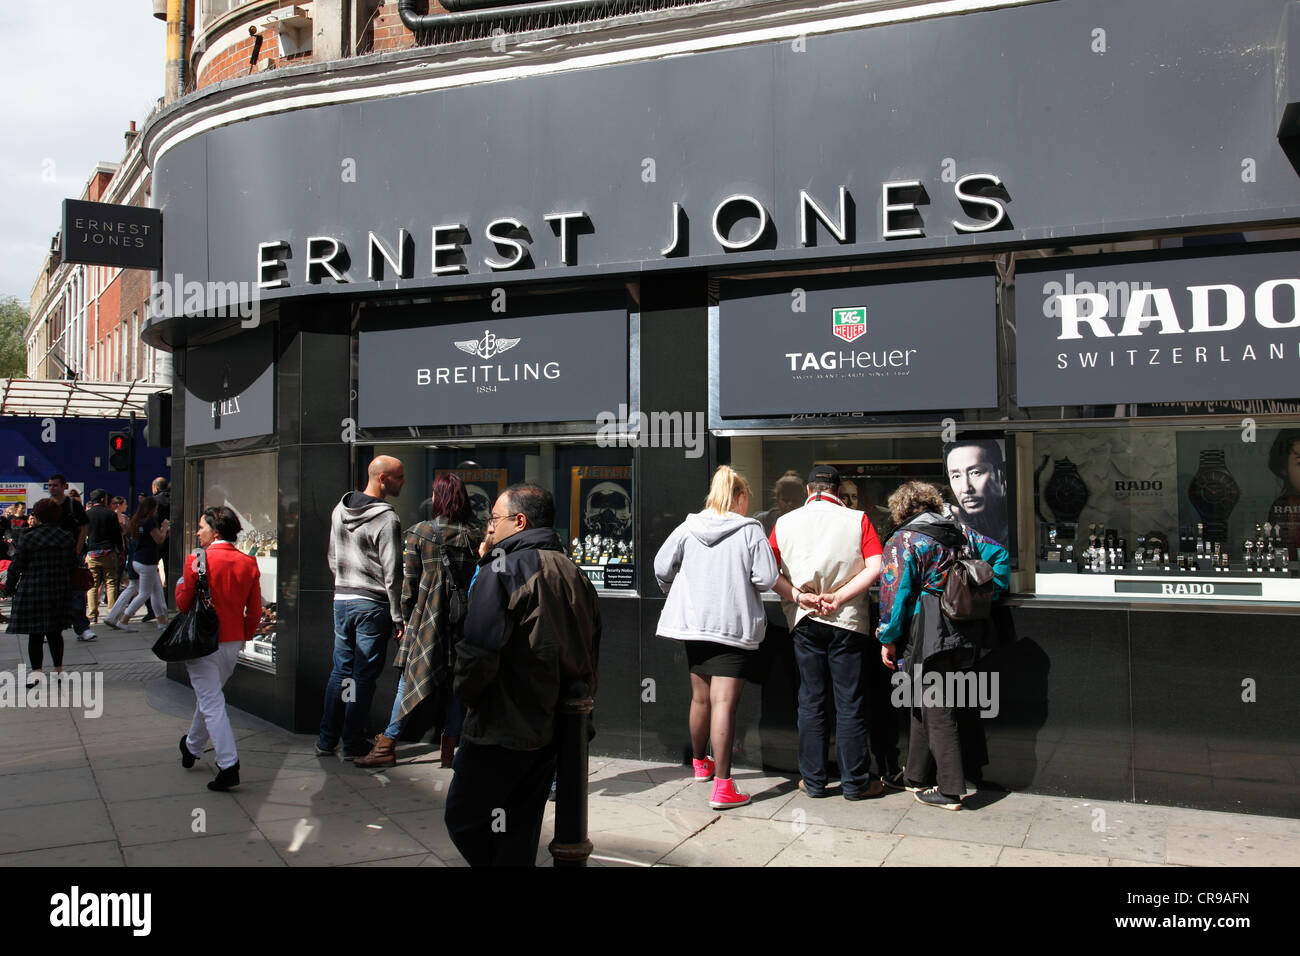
(365, 554)
(438, 558)
(146, 535)
(917, 560)
(533, 631)
(72, 519)
(828, 556)
(40, 582)
(714, 567)
(103, 547)
(235, 586)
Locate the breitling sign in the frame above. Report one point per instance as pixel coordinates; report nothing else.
(549, 368)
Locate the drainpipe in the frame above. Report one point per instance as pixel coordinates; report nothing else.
(180, 16)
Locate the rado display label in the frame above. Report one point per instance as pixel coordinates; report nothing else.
(822, 348)
(550, 368)
(1169, 330)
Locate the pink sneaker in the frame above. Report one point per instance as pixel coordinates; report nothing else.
(726, 795)
(703, 769)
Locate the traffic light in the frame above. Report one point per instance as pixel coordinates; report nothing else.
(119, 451)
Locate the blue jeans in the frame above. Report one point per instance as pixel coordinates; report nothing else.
(361, 632)
(826, 655)
(453, 713)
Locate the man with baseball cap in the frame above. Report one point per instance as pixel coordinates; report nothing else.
(828, 556)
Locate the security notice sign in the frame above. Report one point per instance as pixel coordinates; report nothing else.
(1159, 330)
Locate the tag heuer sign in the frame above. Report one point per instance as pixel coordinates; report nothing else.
(848, 324)
(104, 234)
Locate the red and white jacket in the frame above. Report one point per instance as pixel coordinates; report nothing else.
(236, 587)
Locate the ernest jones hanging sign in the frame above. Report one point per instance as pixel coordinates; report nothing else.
(1188, 329)
(104, 234)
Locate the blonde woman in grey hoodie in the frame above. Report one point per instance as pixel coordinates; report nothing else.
(714, 567)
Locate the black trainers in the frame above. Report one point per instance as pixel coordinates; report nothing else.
(898, 781)
(934, 798)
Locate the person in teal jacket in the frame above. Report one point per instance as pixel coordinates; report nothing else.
(915, 565)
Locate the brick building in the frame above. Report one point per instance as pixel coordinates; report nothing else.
(86, 320)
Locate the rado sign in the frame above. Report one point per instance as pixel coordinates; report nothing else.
(1160, 330)
(548, 368)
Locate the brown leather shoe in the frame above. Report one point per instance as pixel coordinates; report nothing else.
(448, 749)
(383, 754)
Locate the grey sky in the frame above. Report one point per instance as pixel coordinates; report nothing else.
(73, 75)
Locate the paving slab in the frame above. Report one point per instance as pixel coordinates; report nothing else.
(1017, 856)
(417, 859)
(837, 846)
(338, 838)
(167, 819)
(47, 787)
(925, 851)
(734, 841)
(1229, 846)
(291, 797)
(167, 779)
(881, 814)
(428, 828)
(23, 760)
(768, 794)
(36, 828)
(105, 853)
(227, 849)
(984, 818)
(401, 790)
(1095, 828)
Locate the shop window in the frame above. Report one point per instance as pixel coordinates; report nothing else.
(247, 485)
(974, 471)
(1159, 511)
(593, 488)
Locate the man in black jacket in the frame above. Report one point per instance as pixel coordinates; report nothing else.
(103, 548)
(533, 629)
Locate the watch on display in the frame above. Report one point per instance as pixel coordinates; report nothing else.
(1066, 493)
(1214, 493)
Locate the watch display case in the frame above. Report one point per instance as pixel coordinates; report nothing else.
(1194, 512)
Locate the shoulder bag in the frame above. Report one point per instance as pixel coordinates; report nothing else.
(194, 633)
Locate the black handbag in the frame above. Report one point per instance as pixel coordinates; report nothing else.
(191, 634)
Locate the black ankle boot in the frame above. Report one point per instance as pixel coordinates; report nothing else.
(226, 778)
(187, 758)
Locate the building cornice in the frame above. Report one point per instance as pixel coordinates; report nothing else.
(635, 38)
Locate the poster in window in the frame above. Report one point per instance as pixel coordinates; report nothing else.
(601, 530)
(975, 469)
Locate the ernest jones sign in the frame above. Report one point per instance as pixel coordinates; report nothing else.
(103, 234)
(1187, 329)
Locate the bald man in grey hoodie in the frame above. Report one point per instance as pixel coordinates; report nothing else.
(365, 554)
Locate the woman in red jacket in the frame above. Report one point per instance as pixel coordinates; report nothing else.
(236, 588)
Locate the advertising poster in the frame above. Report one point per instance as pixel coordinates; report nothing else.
(1124, 479)
(1230, 485)
(12, 492)
(601, 529)
(975, 481)
(483, 485)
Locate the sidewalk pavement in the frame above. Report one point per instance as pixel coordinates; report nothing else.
(110, 791)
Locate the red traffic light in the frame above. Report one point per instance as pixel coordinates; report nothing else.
(119, 442)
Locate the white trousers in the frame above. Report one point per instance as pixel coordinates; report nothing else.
(207, 676)
(148, 588)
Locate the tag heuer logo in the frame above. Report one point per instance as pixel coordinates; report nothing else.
(848, 324)
(488, 346)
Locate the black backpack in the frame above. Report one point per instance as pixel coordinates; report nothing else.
(968, 592)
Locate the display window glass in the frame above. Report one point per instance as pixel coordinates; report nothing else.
(1198, 511)
(247, 485)
(594, 490)
(974, 470)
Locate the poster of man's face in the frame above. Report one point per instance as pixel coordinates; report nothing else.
(977, 477)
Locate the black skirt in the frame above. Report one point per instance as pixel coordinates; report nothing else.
(711, 659)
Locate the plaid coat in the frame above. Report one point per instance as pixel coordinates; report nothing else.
(40, 581)
(425, 652)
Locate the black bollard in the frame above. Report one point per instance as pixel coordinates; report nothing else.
(571, 846)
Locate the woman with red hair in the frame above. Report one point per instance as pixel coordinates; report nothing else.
(438, 557)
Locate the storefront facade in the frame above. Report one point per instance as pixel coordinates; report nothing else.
(1059, 233)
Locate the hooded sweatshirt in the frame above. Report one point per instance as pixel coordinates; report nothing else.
(717, 566)
(365, 552)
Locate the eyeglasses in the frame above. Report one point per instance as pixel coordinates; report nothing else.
(493, 519)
